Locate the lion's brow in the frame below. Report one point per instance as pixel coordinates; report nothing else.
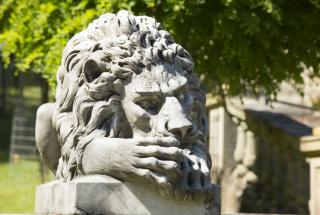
(158, 92)
(149, 93)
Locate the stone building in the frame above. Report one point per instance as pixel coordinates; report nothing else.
(256, 153)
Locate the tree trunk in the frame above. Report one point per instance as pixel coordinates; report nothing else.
(20, 85)
(44, 91)
(3, 85)
(44, 170)
(18, 79)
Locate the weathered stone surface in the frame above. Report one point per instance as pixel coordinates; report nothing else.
(99, 194)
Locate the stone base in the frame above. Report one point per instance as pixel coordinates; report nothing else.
(97, 194)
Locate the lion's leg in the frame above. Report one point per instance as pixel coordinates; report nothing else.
(46, 137)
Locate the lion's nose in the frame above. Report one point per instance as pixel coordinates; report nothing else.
(177, 122)
(180, 129)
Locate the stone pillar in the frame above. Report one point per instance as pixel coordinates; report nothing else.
(236, 178)
(314, 203)
(311, 147)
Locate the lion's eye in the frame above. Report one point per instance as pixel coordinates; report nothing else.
(151, 105)
(185, 99)
(183, 95)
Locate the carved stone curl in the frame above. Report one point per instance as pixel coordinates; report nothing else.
(128, 106)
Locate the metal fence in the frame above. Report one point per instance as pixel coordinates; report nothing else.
(22, 143)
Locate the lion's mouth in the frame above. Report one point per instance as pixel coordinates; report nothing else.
(187, 141)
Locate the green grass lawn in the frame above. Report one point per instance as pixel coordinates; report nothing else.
(17, 186)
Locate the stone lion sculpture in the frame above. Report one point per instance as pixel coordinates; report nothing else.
(128, 106)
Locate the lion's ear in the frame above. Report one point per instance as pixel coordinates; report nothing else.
(92, 69)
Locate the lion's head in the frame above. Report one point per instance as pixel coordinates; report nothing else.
(95, 79)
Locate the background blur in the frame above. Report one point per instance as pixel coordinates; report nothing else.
(259, 63)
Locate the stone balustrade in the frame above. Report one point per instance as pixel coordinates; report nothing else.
(258, 162)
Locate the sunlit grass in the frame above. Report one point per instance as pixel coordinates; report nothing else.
(17, 186)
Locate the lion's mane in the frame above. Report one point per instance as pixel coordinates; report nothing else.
(88, 95)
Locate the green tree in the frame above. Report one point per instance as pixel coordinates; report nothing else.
(238, 46)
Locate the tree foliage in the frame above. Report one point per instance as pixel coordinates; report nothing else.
(243, 45)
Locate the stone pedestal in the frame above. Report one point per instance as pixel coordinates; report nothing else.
(311, 147)
(105, 195)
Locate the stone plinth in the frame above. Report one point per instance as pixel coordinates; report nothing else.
(311, 147)
(105, 195)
